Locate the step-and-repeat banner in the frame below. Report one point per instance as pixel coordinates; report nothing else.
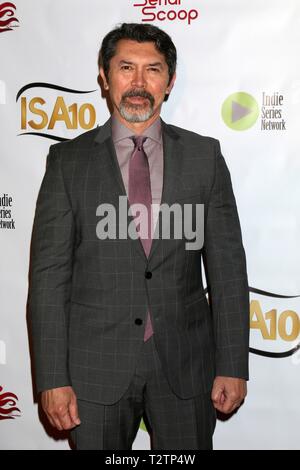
(238, 79)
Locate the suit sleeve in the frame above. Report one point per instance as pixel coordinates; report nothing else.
(50, 278)
(225, 267)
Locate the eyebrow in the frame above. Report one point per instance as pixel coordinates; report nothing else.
(155, 64)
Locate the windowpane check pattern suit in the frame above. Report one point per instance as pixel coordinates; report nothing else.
(88, 297)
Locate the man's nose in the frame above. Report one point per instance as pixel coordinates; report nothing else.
(138, 79)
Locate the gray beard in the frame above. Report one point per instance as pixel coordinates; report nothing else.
(132, 114)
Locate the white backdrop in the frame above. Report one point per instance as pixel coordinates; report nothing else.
(230, 46)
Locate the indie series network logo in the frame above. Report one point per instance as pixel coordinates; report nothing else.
(240, 111)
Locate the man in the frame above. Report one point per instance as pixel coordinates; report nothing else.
(121, 326)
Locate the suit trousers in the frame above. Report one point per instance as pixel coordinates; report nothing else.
(173, 423)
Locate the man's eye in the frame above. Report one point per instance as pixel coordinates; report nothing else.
(125, 67)
(153, 69)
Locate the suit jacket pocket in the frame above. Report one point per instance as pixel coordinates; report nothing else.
(195, 297)
(192, 197)
(196, 311)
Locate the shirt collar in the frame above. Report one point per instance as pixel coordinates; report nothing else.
(120, 131)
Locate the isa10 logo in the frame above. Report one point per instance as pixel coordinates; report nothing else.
(54, 112)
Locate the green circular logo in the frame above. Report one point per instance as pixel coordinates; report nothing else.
(240, 111)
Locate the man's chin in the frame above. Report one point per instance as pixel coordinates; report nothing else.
(135, 115)
(135, 118)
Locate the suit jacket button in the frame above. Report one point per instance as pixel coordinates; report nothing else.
(148, 274)
(138, 321)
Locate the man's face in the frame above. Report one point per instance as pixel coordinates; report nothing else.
(137, 80)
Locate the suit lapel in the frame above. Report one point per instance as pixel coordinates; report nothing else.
(172, 155)
(114, 180)
(109, 158)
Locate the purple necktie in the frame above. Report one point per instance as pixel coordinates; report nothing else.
(139, 189)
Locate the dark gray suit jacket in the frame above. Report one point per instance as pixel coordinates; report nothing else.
(88, 297)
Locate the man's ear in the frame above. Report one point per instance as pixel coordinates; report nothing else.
(102, 75)
(168, 90)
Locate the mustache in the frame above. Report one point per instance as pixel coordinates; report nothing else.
(139, 93)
